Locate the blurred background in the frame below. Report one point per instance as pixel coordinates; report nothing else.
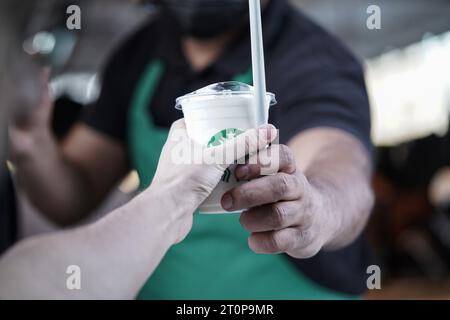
(407, 66)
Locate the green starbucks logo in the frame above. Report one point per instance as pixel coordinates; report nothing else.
(218, 139)
(223, 135)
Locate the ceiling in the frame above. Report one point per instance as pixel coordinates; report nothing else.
(403, 21)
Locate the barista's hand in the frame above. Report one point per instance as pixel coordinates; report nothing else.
(186, 185)
(287, 213)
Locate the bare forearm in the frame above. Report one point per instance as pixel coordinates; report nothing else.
(339, 169)
(341, 172)
(115, 255)
(52, 184)
(118, 253)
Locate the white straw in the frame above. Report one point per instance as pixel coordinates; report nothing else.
(259, 73)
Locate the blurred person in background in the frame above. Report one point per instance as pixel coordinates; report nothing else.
(313, 211)
(119, 252)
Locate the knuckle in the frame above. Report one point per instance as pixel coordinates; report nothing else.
(304, 237)
(308, 207)
(237, 193)
(307, 220)
(289, 158)
(297, 183)
(284, 150)
(305, 246)
(241, 194)
(283, 185)
(279, 215)
(277, 242)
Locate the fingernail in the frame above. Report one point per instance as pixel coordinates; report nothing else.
(242, 172)
(227, 202)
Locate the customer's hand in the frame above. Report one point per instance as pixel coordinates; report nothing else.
(188, 184)
(287, 213)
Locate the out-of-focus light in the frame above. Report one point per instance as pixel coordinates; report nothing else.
(10, 166)
(130, 183)
(44, 42)
(408, 89)
(41, 43)
(439, 191)
(83, 88)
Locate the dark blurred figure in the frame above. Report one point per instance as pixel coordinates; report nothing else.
(18, 90)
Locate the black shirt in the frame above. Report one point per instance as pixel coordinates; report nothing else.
(317, 82)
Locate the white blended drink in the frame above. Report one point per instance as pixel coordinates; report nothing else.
(214, 114)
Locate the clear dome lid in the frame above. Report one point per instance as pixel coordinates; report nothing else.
(223, 89)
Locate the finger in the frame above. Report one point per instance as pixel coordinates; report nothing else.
(265, 190)
(46, 102)
(295, 242)
(33, 102)
(246, 143)
(275, 216)
(21, 142)
(273, 241)
(277, 158)
(45, 83)
(45, 75)
(179, 124)
(178, 130)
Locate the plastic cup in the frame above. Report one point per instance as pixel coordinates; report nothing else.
(215, 113)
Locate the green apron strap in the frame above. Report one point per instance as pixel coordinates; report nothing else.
(143, 134)
(246, 77)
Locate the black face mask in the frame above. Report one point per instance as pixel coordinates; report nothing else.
(207, 18)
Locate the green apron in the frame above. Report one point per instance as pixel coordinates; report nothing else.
(214, 261)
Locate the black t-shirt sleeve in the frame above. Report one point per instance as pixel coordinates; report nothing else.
(321, 86)
(335, 99)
